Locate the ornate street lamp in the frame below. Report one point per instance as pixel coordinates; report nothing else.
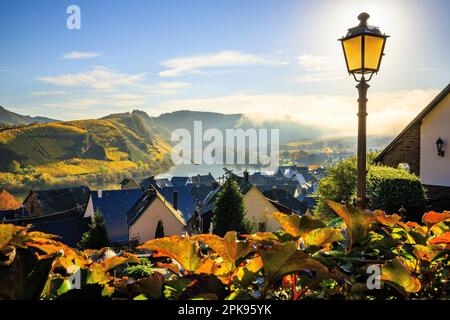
(363, 49)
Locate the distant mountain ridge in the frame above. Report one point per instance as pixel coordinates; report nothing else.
(10, 118)
(129, 140)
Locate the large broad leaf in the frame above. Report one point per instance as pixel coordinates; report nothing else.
(150, 287)
(68, 257)
(279, 235)
(6, 234)
(426, 253)
(180, 249)
(442, 239)
(247, 273)
(358, 221)
(397, 273)
(228, 248)
(194, 285)
(431, 218)
(323, 237)
(297, 226)
(113, 262)
(386, 220)
(26, 276)
(284, 258)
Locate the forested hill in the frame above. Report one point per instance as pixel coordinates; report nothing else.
(85, 146)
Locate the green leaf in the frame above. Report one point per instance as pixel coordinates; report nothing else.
(396, 272)
(358, 222)
(323, 237)
(284, 258)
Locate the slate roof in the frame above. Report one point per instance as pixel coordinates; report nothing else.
(186, 202)
(189, 197)
(161, 183)
(283, 184)
(62, 200)
(69, 226)
(145, 201)
(203, 180)
(148, 183)
(287, 200)
(310, 201)
(114, 205)
(179, 181)
(12, 214)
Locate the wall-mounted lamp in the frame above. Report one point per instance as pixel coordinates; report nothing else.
(439, 145)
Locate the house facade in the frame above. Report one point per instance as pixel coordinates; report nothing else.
(151, 208)
(417, 145)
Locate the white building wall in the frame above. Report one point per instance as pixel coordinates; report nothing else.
(435, 170)
(259, 210)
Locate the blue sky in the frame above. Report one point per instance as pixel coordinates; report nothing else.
(266, 58)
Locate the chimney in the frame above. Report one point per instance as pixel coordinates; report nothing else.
(246, 175)
(175, 200)
(99, 194)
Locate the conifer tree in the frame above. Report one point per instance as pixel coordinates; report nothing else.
(97, 236)
(159, 233)
(229, 214)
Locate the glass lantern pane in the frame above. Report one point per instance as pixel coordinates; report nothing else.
(352, 48)
(373, 47)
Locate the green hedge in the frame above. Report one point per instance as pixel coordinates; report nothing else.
(389, 189)
(392, 188)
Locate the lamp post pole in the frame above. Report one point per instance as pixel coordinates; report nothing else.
(361, 153)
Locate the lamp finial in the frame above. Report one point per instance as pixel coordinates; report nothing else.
(363, 17)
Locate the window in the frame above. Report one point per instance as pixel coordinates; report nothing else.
(262, 227)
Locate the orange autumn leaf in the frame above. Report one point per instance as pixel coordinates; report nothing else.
(387, 220)
(228, 247)
(180, 249)
(442, 239)
(297, 226)
(431, 218)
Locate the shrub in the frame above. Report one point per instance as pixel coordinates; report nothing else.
(339, 185)
(139, 271)
(388, 188)
(391, 189)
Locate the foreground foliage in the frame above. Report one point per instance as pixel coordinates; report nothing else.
(307, 259)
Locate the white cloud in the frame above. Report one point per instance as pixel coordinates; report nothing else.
(76, 55)
(121, 100)
(97, 78)
(169, 88)
(49, 93)
(317, 63)
(320, 68)
(194, 64)
(389, 112)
